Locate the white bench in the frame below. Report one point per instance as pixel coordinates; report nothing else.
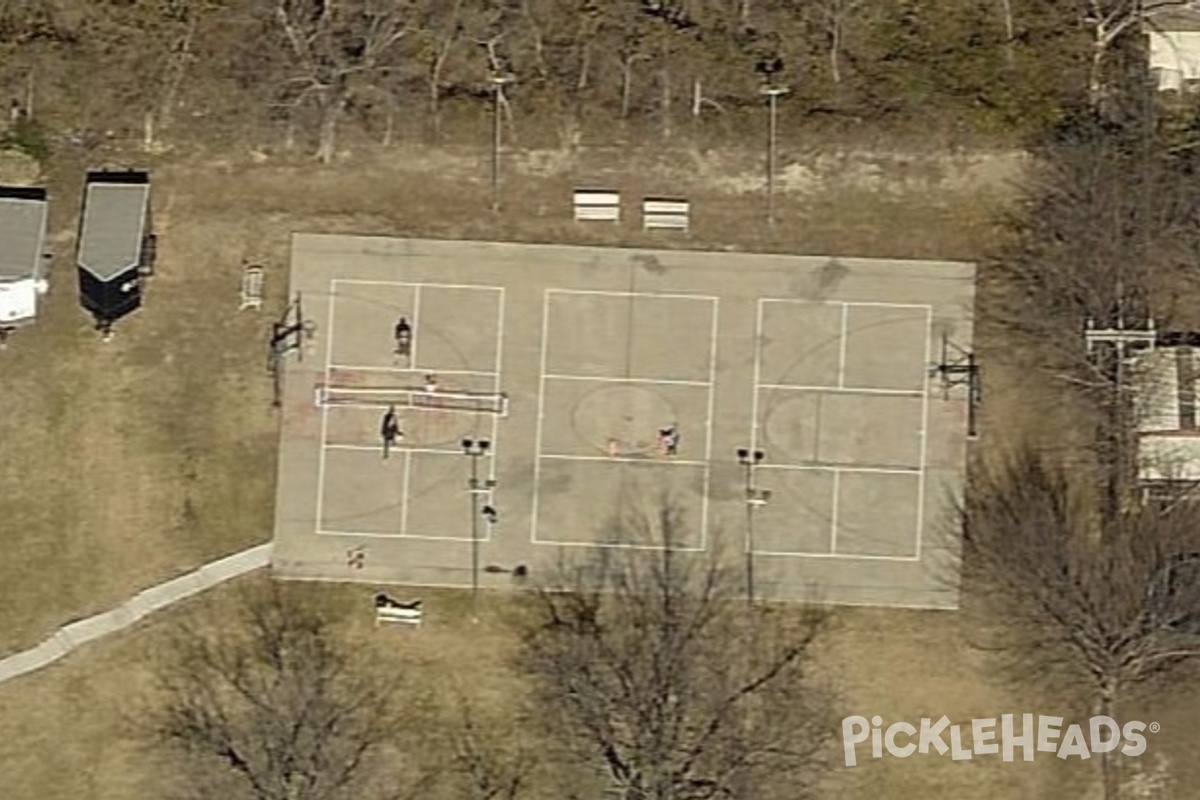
(252, 287)
(665, 214)
(597, 205)
(387, 615)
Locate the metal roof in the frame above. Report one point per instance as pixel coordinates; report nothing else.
(22, 232)
(115, 207)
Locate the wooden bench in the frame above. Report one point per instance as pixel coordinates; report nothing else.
(387, 615)
(252, 287)
(661, 213)
(597, 205)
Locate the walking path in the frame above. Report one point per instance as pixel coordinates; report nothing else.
(75, 634)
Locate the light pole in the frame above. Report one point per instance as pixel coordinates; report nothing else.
(755, 498)
(476, 449)
(498, 81)
(772, 93)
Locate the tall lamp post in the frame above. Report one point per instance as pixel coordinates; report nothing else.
(773, 93)
(476, 449)
(498, 81)
(755, 499)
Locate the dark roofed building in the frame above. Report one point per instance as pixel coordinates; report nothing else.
(23, 212)
(116, 244)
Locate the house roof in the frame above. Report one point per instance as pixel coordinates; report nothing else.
(23, 213)
(1165, 382)
(115, 208)
(1175, 20)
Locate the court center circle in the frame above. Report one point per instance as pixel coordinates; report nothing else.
(622, 420)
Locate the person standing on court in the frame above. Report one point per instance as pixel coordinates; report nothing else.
(389, 430)
(668, 440)
(403, 334)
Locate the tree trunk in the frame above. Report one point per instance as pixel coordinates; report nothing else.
(331, 111)
(435, 86)
(1096, 72)
(835, 47)
(1009, 32)
(665, 101)
(389, 125)
(1110, 780)
(626, 85)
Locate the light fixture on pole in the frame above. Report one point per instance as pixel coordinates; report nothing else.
(476, 449)
(755, 499)
(498, 81)
(773, 93)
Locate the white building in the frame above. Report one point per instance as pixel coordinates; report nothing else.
(1174, 49)
(1166, 387)
(23, 212)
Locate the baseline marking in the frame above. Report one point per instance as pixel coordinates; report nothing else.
(924, 432)
(360, 282)
(378, 535)
(758, 342)
(707, 297)
(375, 449)
(617, 546)
(416, 339)
(844, 468)
(355, 368)
(665, 462)
(847, 556)
(708, 426)
(599, 379)
(796, 300)
(833, 511)
(541, 413)
(325, 409)
(842, 389)
(842, 346)
(404, 495)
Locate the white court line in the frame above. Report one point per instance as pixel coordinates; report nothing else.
(758, 338)
(353, 368)
(833, 511)
(611, 546)
(404, 496)
(325, 409)
(924, 431)
(497, 370)
(399, 536)
(668, 382)
(796, 300)
(708, 426)
(416, 328)
(847, 556)
(375, 449)
(840, 468)
(707, 297)
(842, 389)
(361, 282)
(842, 346)
(541, 412)
(668, 462)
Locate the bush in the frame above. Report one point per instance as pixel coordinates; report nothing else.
(27, 136)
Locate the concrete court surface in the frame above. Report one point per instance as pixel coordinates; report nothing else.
(823, 364)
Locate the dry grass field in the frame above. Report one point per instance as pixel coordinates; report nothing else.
(129, 462)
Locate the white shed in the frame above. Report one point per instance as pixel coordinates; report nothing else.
(23, 212)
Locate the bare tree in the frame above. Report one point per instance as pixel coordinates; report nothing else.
(335, 45)
(1080, 601)
(272, 706)
(492, 761)
(1108, 235)
(662, 682)
(1107, 22)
